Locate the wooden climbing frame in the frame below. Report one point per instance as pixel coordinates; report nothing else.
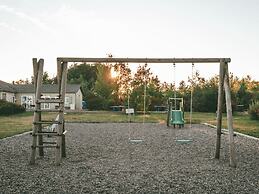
(39, 132)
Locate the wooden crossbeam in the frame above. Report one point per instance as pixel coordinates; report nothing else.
(144, 60)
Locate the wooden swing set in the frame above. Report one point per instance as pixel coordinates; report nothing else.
(62, 63)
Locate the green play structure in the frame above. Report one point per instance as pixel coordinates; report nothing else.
(175, 112)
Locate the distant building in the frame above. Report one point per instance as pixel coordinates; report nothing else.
(24, 95)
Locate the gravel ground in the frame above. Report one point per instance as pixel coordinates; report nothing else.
(101, 159)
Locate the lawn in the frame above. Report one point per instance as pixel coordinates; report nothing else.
(15, 124)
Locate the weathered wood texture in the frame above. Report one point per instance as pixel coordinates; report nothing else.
(233, 162)
(63, 93)
(62, 72)
(38, 72)
(143, 60)
(219, 108)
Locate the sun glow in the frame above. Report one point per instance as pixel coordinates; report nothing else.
(114, 74)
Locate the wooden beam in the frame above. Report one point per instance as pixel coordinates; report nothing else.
(36, 117)
(58, 74)
(143, 60)
(229, 119)
(35, 71)
(61, 139)
(35, 78)
(219, 109)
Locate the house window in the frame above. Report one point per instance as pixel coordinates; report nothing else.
(68, 100)
(27, 101)
(45, 105)
(3, 96)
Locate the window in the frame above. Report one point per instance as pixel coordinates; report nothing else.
(3, 96)
(68, 100)
(27, 101)
(45, 105)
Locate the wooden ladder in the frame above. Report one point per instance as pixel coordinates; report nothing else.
(39, 133)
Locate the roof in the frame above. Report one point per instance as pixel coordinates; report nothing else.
(46, 88)
(6, 87)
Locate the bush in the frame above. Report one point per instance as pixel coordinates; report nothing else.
(8, 108)
(254, 110)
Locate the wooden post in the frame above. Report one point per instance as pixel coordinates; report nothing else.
(62, 85)
(63, 93)
(229, 119)
(63, 141)
(35, 75)
(38, 67)
(59, 72)
(219, 108)
(169, 113)
(40, 138)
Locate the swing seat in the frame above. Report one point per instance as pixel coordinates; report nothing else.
(177, 117)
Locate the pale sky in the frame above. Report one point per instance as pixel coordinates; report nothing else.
(135, 28)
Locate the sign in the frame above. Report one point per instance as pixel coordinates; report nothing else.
(130, 111)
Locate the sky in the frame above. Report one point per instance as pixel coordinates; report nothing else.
(135, 28)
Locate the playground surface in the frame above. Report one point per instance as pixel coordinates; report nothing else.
(101, 159)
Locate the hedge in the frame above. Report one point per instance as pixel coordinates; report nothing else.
(8, 108)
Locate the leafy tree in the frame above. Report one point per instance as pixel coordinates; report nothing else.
(82, 72)
(21, 81)
(85, 75)
(123, 81)
(244, 97)
(144, 79)
(46, 79)
(104, 87)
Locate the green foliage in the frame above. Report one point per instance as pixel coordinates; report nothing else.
(254, 110)
(142, 79)
(94, 102)
(104, 87)
(123, 81)
(82, 73)
(243, 96)
(8, 108)
(46, 79)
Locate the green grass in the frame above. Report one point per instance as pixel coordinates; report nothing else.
(15, 124)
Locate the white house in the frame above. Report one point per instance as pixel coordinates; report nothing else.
(24, 94)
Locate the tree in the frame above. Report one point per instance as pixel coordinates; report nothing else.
(82, 72)
(85, 75)
(104, 87)
(21, 81)
(123, 81)
(244, 97)
(144, 79)
(46, 79)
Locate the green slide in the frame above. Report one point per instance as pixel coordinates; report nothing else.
(177, 118)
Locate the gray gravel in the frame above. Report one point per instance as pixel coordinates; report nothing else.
(101, 159)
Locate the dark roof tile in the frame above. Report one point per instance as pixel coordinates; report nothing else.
(6, 87)
(46, 88)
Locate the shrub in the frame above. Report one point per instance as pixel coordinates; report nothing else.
(8, 108)
(254, 110)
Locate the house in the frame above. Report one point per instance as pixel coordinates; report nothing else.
(7, 92)
(24, 95)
